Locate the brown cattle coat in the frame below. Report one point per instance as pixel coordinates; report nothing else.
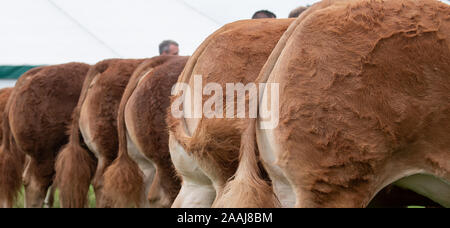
(143, 138)
(364, 89)
(93, 142)
(205, 151)
(34, 124)
(4, 96)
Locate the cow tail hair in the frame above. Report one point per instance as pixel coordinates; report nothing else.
(12, 163)
(75, 165)
(248, 188)
(124, 180)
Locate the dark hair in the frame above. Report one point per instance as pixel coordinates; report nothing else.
(296, 12)
(165, 45)
(264, 13)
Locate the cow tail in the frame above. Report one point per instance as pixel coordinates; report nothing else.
(11, 165)
(75, 164)
(124, 180)
(248, 188)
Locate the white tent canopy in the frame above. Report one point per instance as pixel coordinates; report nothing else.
(58, 31)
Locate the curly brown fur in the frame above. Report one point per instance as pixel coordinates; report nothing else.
(124, 184)
(4, 97)
(214, 143)
(247, 187)
(360, 105)
(75, 165)
(123, 179)
(39, 111)
(11, 159)
(80, 164)
(145, 115)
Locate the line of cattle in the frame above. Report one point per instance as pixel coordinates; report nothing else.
(364, 102)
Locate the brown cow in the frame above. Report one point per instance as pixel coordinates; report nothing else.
(34, 124)
(93, 136)
(4, 96)
(143, 139)
(364, 102)
(205, 152)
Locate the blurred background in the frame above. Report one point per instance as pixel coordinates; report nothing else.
(43, 32)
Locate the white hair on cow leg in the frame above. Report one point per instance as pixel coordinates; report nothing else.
(268, 151)
(197, 190)
(146, 166)
(48, 202)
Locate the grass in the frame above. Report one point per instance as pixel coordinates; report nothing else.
(91, 197)
(20, 202)
(415, 207)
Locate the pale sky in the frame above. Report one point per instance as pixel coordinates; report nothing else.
(59, 31)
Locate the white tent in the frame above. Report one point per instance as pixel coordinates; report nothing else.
(58, 31)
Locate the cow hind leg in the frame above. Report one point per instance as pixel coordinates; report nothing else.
(156, 195)
(148, 169)
(149, 175)
(429, 177)
(281, 185)
(164, 188)
(194, 195)
(313, 192)
(197, 190)
(295, 189)
(98, 182)
(361, 194)
(38, 177)
(50, 198)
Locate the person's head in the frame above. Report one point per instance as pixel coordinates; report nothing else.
(296, 12)
(263, 14)
(168, 47)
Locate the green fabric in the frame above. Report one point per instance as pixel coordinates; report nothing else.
(13, 72)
